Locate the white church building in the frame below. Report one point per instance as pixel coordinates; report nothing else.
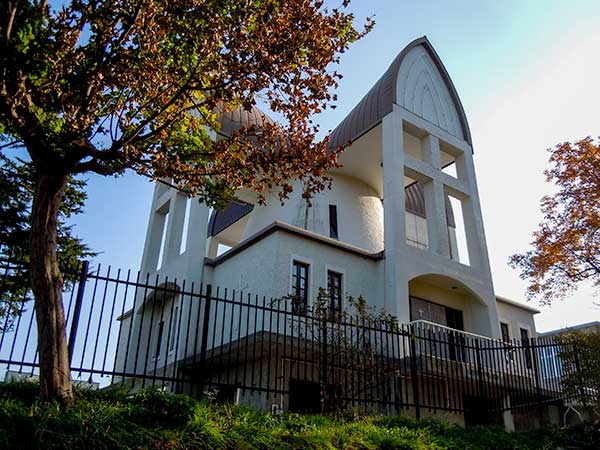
(401, 226)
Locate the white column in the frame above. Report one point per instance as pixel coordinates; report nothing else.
(396, 283)
(197, 238)
(507, 416)
(194, 272)
(154, 232)
(175, 226)
(435, 202)
(476, 243)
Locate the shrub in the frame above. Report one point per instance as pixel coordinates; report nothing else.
(153, 419)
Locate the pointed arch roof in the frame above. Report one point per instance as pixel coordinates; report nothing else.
(378, 102)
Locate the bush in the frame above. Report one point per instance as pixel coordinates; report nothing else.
(580, 356)
(153, 419)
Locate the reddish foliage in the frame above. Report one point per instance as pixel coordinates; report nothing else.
(566, 247)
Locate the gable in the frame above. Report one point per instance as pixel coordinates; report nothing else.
(422, 90)
(417, 81)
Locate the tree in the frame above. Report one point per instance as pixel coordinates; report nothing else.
(104, 86)
(16, 194)
(566, 247)
(580, 360)
(349, 348)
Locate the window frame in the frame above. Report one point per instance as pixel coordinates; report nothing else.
(509, 350)
(334, 231)
(507, 340)
(335, 311)
(526, 345)
(174, 327)
(159, 338)
(299, 301)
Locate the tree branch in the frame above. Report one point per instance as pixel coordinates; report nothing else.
(11, 20)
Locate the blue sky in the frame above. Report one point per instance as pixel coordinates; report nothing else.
(528, 75)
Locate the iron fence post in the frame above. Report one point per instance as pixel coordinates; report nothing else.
(204, 340)
(536, 374)
(77, 311)
(479, 370)
(413, 373)
(324, 363)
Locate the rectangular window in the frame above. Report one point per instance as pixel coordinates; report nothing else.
(506, 339)
(334, 288)
(173, 329)
(504, 331)
(299, 287)
(333, 222)
(526, 349)
(159, 336)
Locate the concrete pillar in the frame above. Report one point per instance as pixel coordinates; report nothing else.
(476, 242)
(473, 220)
(154, 233)
(507, 417)
(212, 247)
(193, 261)
(174, 227)
(197, 234)
(396, 284)
(435, 204)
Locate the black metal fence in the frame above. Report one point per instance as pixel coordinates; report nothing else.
(137, 331)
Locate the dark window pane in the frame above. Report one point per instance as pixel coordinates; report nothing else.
(173, 328)
(159, 337)
(526, 349)
(334, 288)
(506, 340)
(299, 287)
(505, 333)
(333, 222)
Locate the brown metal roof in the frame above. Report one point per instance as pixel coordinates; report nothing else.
(219, 220)
(415, 202)
(378, 102)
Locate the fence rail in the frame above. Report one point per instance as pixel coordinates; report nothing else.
(130, 329)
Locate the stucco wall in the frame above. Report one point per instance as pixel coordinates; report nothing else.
(359, 209)
(265, 268)
(470, 306)
(516, 318)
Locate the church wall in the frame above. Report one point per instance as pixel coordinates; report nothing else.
(470, 307)
(516, 318)
(359, 210)
(265, 268)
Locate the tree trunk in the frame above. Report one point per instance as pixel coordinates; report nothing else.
(47, 283)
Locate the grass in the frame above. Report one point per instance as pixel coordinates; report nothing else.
(151, 419)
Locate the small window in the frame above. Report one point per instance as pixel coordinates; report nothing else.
(333, 222)
(173, 329)
(159, 336)
(526, 349)
(299, 287)
(334, 288)
(506, 339)
(504, 332)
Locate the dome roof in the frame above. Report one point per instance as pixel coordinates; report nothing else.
(232, 121)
